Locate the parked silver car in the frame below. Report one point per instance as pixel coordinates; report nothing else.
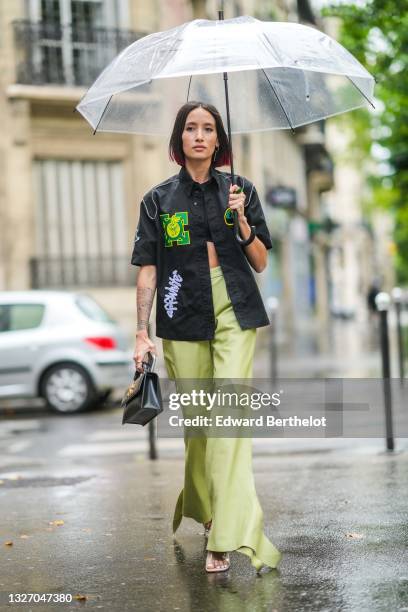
(61, 346)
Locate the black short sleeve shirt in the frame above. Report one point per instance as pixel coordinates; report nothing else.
(177, 218)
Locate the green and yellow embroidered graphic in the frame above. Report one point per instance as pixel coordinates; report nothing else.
(228, 217)
(174, 228)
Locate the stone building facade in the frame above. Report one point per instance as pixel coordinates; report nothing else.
(69, 200)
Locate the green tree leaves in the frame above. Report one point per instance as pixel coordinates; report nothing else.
(376, 33)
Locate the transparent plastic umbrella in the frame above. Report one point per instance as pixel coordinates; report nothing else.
(281, 75)
(259, 75)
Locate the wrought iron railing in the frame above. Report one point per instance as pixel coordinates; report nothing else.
(64, 272)
(49, 53)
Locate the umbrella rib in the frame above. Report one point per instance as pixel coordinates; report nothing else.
(188, 90)
(277, 97)
(101, 117)
(362, 93)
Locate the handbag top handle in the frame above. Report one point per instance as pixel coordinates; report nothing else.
(152, 363)
(147, 366)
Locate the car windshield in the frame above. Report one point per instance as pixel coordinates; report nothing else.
(92, 310)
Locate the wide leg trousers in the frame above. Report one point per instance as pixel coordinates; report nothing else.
(218, 478)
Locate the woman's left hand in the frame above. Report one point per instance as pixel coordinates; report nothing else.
(237, 202)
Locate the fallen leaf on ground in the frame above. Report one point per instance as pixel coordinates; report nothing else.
(24, 536)
(80, 597)
(57, 522)
(354, 536)
(8, 543)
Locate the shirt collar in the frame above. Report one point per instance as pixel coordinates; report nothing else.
(185, 178)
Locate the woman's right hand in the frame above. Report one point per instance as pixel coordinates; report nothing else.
(143, 345)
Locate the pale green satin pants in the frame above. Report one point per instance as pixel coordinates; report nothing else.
(218, 478)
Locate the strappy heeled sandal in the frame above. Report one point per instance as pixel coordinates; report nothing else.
(210, 559)
(207, 527)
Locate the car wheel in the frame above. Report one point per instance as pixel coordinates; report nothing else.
(67, 388)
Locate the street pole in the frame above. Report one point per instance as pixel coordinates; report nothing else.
(382, 301)
(272, 304)
(397, 297)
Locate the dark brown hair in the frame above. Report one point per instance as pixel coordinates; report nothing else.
(176, 152)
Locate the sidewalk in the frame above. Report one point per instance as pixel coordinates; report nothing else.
(338, 515)
(348, 350)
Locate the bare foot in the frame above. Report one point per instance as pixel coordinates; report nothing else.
(217, 561)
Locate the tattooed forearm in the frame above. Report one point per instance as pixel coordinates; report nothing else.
(145, 296)
(146, 287)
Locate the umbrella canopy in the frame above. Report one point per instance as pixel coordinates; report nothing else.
(281, 75)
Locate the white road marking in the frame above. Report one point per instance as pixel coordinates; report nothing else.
(135, 433)
(117, 448)
(17, 447)
(113, 442)
(6, 427)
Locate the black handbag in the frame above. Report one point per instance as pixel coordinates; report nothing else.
(142, 400)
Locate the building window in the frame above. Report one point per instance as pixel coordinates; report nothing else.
(70, 41)
(81, 228)
(94, 13)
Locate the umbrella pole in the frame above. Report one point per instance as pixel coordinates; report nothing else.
(242, 241)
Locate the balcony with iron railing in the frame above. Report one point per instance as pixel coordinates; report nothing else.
(49, 53)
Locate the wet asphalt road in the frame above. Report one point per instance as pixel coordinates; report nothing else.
(337, 510)
(89, 515)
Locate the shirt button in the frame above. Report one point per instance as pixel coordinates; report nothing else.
(195, 203)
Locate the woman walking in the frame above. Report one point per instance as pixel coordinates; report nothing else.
(208, 310)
